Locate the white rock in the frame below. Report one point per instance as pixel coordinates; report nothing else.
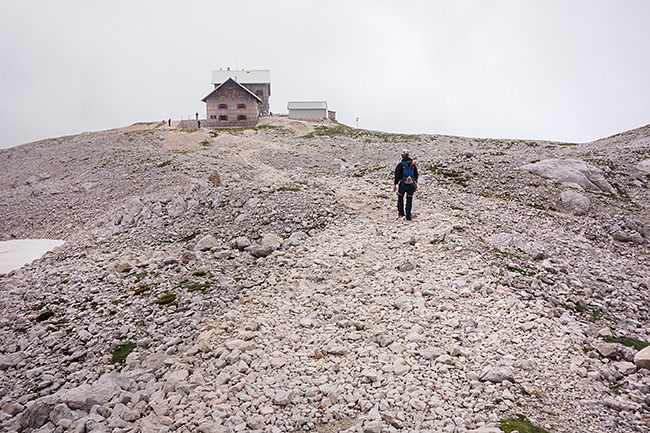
(642, 358)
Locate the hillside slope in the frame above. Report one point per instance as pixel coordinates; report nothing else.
(259, 279)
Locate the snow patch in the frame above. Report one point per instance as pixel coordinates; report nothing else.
(16, 253)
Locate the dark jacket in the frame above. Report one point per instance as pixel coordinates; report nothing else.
(399, 171)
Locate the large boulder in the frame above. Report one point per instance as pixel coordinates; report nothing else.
(87, 395)
(572, 172)
(574, 202)
(37, 413)
(269, 243)
(642, 358)
(516, 240)
(206, 243)
(644, 166)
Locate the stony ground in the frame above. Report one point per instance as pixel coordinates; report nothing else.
(260, 280)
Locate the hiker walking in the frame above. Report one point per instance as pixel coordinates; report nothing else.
(406, 182)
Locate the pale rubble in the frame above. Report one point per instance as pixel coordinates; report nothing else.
(301, 301)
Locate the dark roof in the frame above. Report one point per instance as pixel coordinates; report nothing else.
(230, 80)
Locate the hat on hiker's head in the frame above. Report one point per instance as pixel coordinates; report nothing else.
(405, 152)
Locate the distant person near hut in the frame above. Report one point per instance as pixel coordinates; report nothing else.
(406, 182)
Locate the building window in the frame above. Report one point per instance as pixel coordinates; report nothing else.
(222, 93)
(241, 117)
(212, 116)
(241, 106)
(241, 93)
(223, 106)
(223, 117)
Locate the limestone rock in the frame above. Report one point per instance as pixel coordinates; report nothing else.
(574, 202)
(516, 240)
(642, 358)
(497, 374)
(124, 264)
(85, 396)
(269, 243)
(572, 172)
(215, 179)
(206, 243)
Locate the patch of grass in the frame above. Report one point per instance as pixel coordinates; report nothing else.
(341, 130)
(523, 272)
(44, 316)
(199, 273)
(449, 174)
(167, 298)
(165, 163)
(615, 388)
(139, 276)
(142, 289)
(359, 172)
(289, 188)
(628, 341)
(192, 286)
(520, 424)
(121, 352)
(205, 143)
(594, 313)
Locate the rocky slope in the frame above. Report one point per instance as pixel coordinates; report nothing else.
(260, 280)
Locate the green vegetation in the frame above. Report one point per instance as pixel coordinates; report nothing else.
(167, 298)
(289, 188)
(341, 130)
(615, 388)
(44, 316)
(523, 272)
(199, 273)
(193, 286)
(363, 171)
(121, 352)
(594, 313)
(520, 424)
(215, 132)
(628, 341)
(164, 163)
(449, 174)
(142, 289)
(139, 276)
(139, 131)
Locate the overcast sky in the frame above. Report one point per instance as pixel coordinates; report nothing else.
(562, 70)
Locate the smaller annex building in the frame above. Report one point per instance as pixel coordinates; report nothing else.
(308, 110)
(231, 104)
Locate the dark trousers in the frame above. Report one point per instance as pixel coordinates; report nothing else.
(407, 189)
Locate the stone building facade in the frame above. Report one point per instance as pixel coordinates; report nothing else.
(231, 104)
(257, 81)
